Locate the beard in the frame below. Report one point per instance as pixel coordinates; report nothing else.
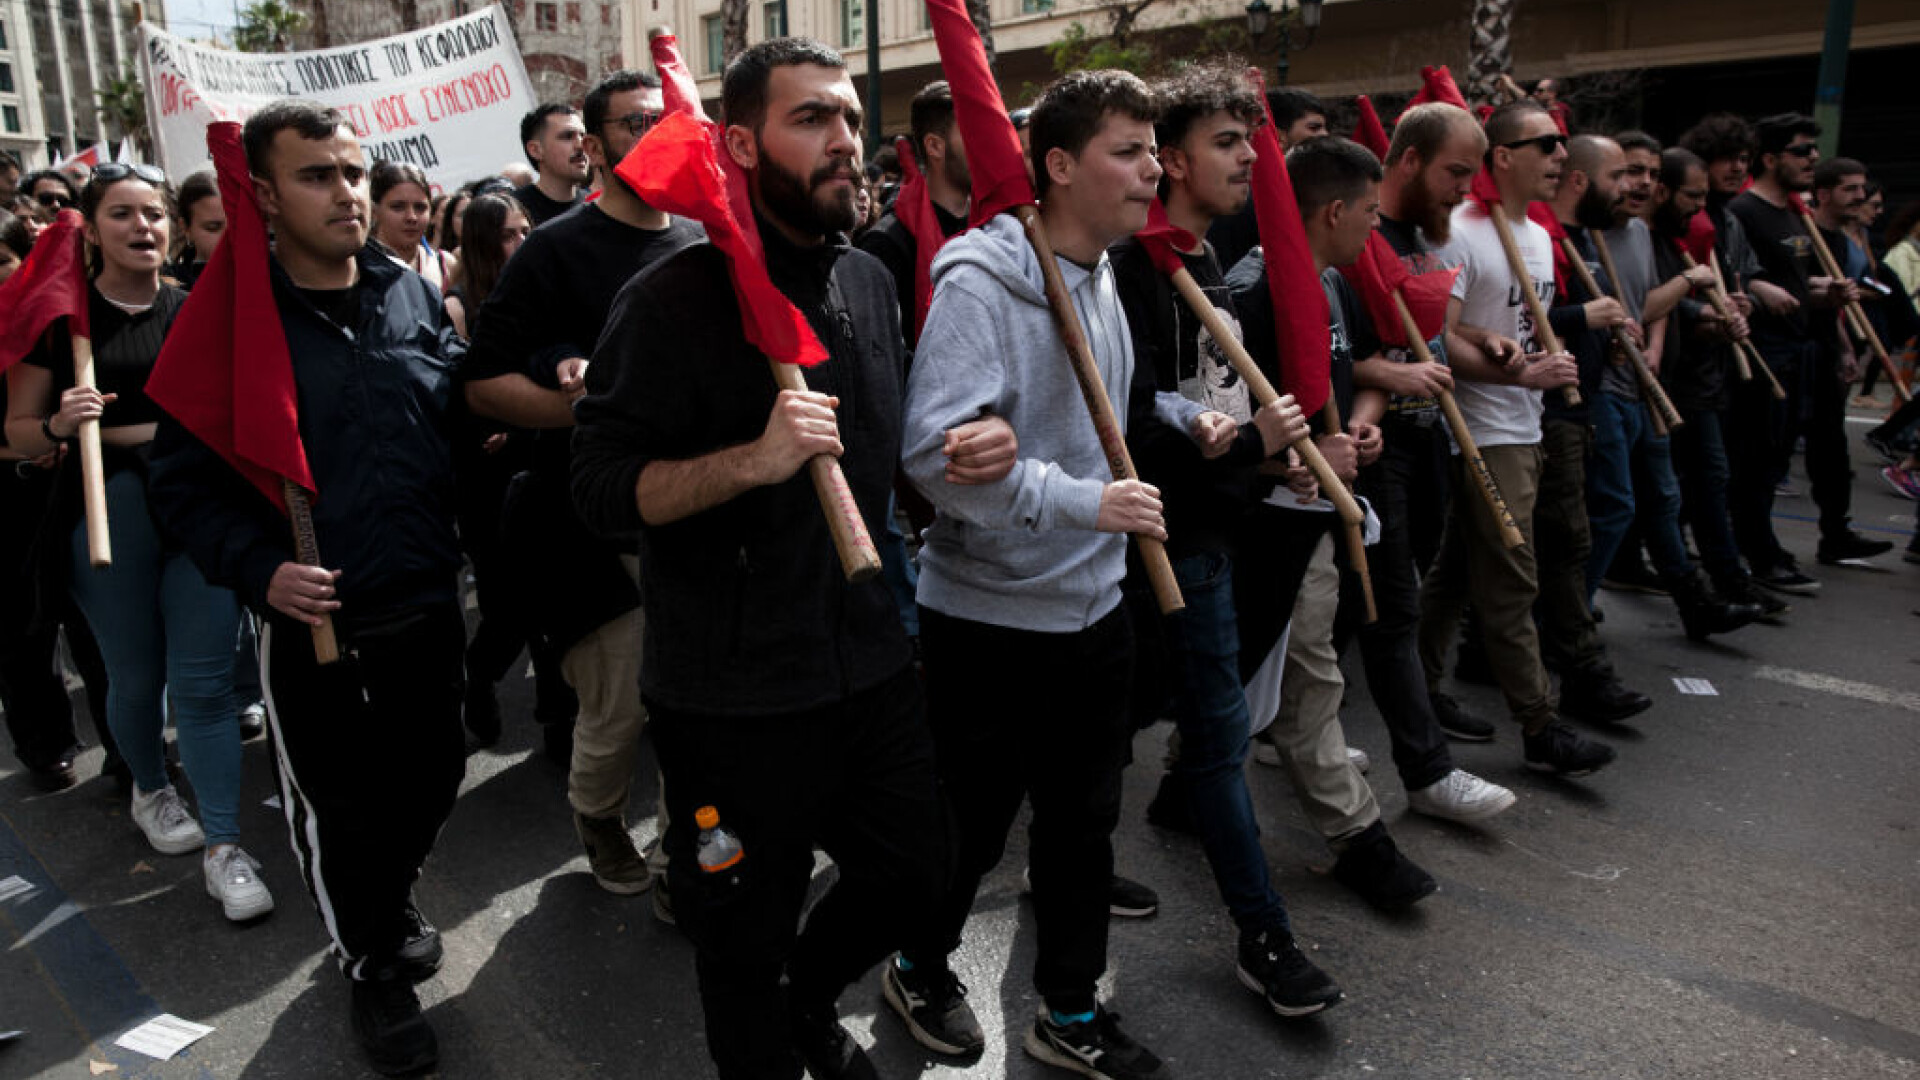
(955, 168)
(799, 203)
(1595, 211)
(1434, 217)
(1668, 221)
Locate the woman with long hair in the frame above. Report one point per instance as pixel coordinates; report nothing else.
(166, 634)
(494, 228)
(447, 221)
(402, 204)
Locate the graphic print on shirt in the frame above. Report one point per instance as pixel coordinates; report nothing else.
(1206, 376)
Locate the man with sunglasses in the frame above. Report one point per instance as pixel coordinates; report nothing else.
(531, 341)
(1798, 333)
(51, 193)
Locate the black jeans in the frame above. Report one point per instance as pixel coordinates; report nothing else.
(1020, 714)
(1408, 489)
(39, 714)
(369, 756)
(856, 777)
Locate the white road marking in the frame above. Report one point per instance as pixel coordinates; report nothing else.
(1830, 684)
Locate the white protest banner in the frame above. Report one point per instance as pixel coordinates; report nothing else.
(447, 98)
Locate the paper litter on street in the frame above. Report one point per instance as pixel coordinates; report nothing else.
(163, 1036)
(1697, 687)
(14, 886)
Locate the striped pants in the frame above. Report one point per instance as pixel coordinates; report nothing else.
(369, 754)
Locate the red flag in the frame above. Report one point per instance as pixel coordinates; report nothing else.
(1485, 191)
(993, 148)
(51, 284)
(681, 168)
(225, 372)
(1164, 240)
(1798, 202)
(1302, 324)
(1436, 84)
(1367, 131)
(1379, 273)
(1701, 238)
(1542, 214)
(914, 207)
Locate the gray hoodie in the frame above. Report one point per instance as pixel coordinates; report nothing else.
(1022, 552)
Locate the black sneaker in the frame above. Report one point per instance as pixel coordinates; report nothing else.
(1850, 545)
(1373, 866)
(1273, 966)
(1096, 1048)
(1786, 578)
(934, 1006)
(1633, 575)
(387, 1021)
(1457, 724)
(1879, 444)
(828, 1048)
(1600, 697)
(1742, 590)
(57, 774)
(1170, 808)
(420, 952)
(1128, 899)
(1559, 750)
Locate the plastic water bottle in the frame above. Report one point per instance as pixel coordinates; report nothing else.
(719, 849)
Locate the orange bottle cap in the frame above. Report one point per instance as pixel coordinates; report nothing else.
(706, 817)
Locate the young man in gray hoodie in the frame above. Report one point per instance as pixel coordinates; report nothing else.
(1020, 578)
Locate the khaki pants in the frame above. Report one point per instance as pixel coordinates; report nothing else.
(1307, 733)
(604, 670)
(1502, 582)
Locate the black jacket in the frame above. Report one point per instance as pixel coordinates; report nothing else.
(748, 612)
(374, 418)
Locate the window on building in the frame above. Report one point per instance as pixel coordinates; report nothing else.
(6, 77)
(12, 117)
(606, 14)
(853, 22)
(773, 18)
(3, 35)
(1035, 7)
(546, 16)
(714, 35)
(573, 13)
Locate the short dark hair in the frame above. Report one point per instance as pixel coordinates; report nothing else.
(1289, 103)
(1675, 161)
(1197, 92)
(9, 161)
(1638, 140)
(1833, 172)
(1072, 108)
(743, 89)
(310, 119)
(1504, 125)
(193, 189)
(1772, 134)
(1329, 169)
(534, 124)
(885, 160)
(593, 110)
(387, 175)
(28, 182)
(1719, 136)
(930, 114)
(17, 234)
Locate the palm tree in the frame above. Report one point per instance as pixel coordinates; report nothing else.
(268, 26)
(981, 12)
(1490, 50)
(123, 100)
(733, 29)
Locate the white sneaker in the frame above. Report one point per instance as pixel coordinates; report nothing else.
(164, 817)
(1460, 796)
(233, 878)
(1358, 759)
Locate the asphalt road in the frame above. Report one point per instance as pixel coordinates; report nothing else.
(1739, 896)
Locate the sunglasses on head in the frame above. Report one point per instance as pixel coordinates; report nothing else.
(494, 186)
(1546, 144)
(637, 124)
(114, 171)
(1805, 149)
(52, 198)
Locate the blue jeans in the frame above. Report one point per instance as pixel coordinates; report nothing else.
(1210, 709)
(1630, 463)
(903, 579)
(166, 635)
(1700, 460)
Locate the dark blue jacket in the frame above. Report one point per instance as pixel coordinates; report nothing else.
(374, 417)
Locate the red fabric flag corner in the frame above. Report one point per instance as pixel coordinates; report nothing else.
(1436, 84)
(993, 148)
(1367, 131)
(913, 205)
(1164, 240)
(50, 285)
(225, 372)
(1700, 239)
(681, 168)
(1485, 191)
(1302, 324)
(1379, 273)
(1542, 215)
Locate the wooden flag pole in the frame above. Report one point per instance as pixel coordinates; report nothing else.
(1856, 316)
(306, 548)
(1153, 554)
(1264, 393)
(859, 559)
(1744, 353)
(1665, 416)
(93, 473)
(1548, 339)
(1510, 533)
(1356, 531)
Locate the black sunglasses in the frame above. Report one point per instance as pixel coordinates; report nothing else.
(51, 198)
(1546, 144)
(638, 124)
(1805, 149)
(115, 171)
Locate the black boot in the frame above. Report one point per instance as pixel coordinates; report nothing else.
(1598, 695)
(1702, 612)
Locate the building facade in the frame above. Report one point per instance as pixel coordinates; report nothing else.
(56, 57)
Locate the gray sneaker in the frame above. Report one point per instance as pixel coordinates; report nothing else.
(164, 817)
(233, 878)
(616, 863)
(1460, 796)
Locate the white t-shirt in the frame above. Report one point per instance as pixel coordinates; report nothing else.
(1498, 415)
